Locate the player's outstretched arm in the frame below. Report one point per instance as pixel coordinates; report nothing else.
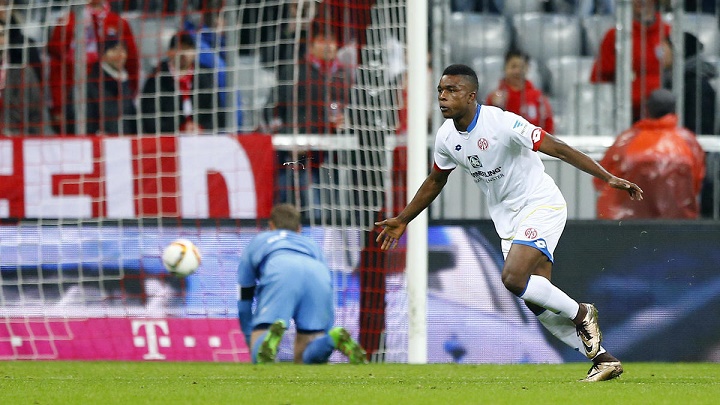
(554, 147)
(633, 189)
(393, 228)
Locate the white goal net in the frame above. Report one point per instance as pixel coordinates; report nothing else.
(129, 124)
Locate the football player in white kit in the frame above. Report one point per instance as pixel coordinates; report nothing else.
(499, 150)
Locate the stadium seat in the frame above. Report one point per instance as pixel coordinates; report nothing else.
(538, 74)
(256, 85)
(545, 36)
(478, 35)
(489, 71)
(152, 37)
(40, 22)
(590, 110)
(566, 71)
(595, 27)
(370, 101)
(389, 57)
(514, 7)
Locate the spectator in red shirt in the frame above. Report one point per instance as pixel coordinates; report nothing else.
(665, 159)
(515, 93)
(647, 55)
(99, 21)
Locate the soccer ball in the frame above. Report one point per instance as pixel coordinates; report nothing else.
(181, 258)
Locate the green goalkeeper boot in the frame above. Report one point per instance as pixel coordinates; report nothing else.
(348, 346)
(269, 347)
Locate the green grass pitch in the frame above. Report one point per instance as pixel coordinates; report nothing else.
(54, 382)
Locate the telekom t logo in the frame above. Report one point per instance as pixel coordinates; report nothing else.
(151, 340)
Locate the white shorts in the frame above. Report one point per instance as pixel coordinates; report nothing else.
(541, 228)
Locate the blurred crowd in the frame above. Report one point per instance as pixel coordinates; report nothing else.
(173, 67)
(558, 70)
(166, 67)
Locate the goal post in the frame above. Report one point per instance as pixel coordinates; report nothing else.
(417, 250)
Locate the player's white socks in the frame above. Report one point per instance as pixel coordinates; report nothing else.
(540, 291)
(563, 329)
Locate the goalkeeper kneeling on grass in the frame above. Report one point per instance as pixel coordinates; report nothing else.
(288, 275)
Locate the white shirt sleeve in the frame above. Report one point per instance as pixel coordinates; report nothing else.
(443, 158)
(521, 131)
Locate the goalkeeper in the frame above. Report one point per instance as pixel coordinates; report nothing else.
(287, 275)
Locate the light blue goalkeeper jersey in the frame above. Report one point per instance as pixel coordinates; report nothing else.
(293, 281)
(270, 243)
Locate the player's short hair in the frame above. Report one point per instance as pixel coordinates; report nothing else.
(182, 38)
(516, 53)
(319, 30)
(463, 70)
(660, 102)
(285, 216)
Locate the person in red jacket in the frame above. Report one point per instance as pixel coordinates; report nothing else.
(99, 21)
(515, 93)
(665, 159)
(649, 44)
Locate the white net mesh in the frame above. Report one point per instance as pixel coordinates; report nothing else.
(119, 139)
(152, 142)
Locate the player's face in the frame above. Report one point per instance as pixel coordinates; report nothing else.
(324, 48)
(183, 56)
(666, 56)
(516, 70)
(643, 9)
(2, 41)
(116, 56)
(3, 10)
(456, 97)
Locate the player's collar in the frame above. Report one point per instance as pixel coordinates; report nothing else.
(473, 123)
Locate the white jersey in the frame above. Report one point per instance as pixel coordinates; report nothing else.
(499, 151)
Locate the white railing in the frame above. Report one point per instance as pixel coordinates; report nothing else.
(462, 200)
